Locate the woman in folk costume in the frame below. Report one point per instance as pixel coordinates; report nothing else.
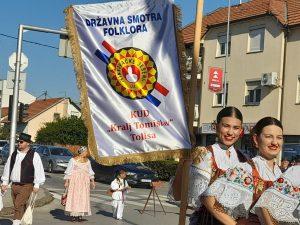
(211, 162)
(119, 187)
(79, 178)
(230, 198)
(280, 204)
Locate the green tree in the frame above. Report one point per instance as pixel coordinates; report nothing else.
(5, 132)
(69, 130)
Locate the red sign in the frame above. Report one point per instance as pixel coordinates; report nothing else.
(215, 83)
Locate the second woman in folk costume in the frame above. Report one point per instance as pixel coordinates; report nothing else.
(280, 204)
(79, 178)
(230, 198)
(212, 161)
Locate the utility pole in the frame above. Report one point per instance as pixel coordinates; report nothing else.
(191, 110)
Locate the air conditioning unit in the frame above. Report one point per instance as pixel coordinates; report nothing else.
(269, 79)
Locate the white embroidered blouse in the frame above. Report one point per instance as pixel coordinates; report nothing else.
(201, 173)
(234, 190)
(282, 200)
(119, 189)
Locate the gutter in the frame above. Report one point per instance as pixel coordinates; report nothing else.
(283, 64)
(283, 74)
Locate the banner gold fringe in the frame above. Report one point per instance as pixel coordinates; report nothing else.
(85, 107)
(181, 55)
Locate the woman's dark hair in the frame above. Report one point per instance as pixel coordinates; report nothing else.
(266, 121)
(229, 111)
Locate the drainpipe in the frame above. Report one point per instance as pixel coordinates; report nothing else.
(282, 77)
(282, 83)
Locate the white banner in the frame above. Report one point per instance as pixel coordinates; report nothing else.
(129, 54)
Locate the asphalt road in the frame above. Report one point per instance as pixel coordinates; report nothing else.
(101, 207)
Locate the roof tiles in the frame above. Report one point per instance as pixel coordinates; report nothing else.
(286, 11)
(35, 108)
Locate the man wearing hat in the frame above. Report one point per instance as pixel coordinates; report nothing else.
(24, 169)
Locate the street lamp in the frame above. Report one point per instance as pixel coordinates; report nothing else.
(13, 126)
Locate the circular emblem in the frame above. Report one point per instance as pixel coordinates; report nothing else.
(132, 73)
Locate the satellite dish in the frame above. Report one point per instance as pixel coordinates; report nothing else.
(12, 61)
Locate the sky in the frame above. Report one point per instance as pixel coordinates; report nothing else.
(46, 71)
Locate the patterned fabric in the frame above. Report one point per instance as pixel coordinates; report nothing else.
(234, 192)
(260, 185)
(208, 164)
(78, 200)
(203, 172)
(282, 199)
(238, 188)
(197, 185)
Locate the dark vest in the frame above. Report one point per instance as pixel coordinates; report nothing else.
(27, 168)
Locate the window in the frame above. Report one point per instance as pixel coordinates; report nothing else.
(298, 91)
(75, 113)
(46, 151)
(218, 98)
(256, 40)
(56, 116)
(39, 150)
(221, 46)
(253, 93)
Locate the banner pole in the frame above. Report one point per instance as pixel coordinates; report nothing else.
(191, 110)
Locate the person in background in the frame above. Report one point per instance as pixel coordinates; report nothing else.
(79, 179)
(119, 187)
(24, 169)
(285, 163)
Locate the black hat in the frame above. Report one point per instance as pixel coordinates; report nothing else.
(25, 137)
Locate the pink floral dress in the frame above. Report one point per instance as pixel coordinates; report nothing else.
(79, 176)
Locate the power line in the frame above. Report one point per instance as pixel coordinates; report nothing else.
(31, 42)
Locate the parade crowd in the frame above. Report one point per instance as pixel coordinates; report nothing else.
(25, 173)
(225, 186)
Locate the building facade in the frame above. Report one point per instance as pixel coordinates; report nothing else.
(263, 69)
(43, 111)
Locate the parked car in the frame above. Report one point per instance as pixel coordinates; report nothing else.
(4, 154)
(3, 143)
(291, 152)
(137, 173)
(54, 158)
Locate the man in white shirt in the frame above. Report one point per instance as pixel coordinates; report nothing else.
(24, 169)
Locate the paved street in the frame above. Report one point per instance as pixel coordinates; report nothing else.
(101, 207)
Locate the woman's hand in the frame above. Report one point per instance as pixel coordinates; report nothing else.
(66, 185)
